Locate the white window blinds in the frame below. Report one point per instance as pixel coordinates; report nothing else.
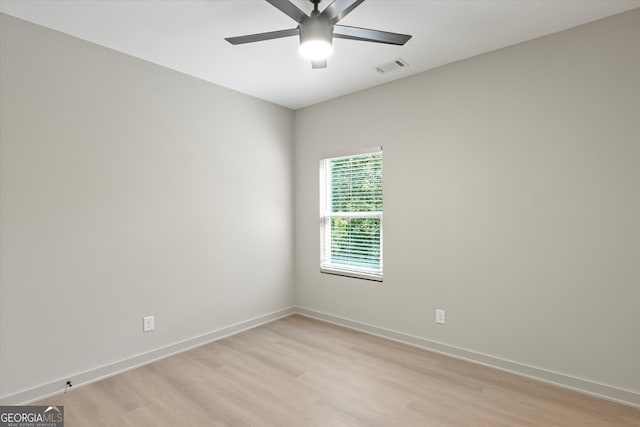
(351, 215)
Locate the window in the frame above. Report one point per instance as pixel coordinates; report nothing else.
(351, 215)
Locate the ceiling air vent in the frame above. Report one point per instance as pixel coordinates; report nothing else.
(387, 67)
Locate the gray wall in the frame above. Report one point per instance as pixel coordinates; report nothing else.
(126, 190)
(511, 201)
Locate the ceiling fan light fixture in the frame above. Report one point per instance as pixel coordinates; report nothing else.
(316, 38)
(316, 50)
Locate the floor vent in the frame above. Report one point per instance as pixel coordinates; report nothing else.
(396, 64)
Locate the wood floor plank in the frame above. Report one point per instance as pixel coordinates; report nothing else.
(302, 372)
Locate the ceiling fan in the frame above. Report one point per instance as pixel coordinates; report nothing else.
(317, 30)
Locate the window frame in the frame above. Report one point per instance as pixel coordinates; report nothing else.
(326, 215)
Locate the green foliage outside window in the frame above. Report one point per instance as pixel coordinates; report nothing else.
(356, 186)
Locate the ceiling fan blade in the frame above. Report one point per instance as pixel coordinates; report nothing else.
(367, 35)
(339, 9)
(289, 9)
(322, 63)
(262, 36)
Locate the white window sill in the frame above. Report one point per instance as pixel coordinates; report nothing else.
(352, 273)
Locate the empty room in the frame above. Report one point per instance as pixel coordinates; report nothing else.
(319, 213)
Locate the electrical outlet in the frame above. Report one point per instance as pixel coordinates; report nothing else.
(148, 324)
(440, 316)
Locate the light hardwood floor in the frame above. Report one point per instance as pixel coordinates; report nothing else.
(302, 372)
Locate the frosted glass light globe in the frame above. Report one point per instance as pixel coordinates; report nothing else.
(316, 50)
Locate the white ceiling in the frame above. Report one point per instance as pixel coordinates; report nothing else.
(188, 36)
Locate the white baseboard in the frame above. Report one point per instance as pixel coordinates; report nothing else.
(54, 388)
(602, 391)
